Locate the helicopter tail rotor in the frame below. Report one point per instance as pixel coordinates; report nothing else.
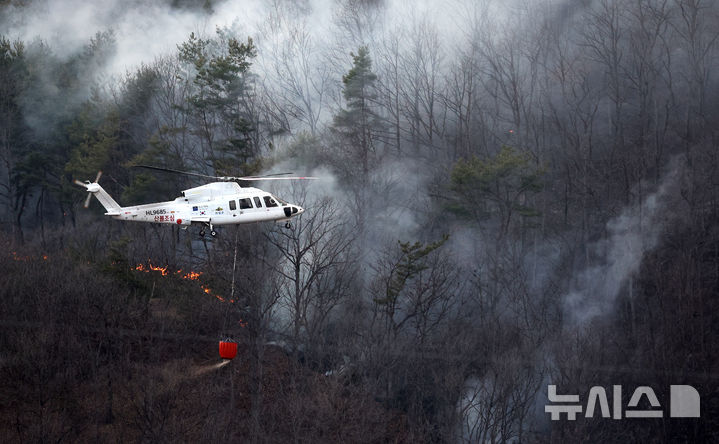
(87, 185)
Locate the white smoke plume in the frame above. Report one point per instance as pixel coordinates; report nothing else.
(631, 235)
(148, 29)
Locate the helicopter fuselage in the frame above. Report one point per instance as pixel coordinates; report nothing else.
(217, 203)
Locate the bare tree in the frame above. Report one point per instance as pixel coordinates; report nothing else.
(315, 270)
(299, 79)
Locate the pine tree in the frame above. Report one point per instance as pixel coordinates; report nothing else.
(220, 80)
(500, 187)
(359, 123)
(13, 130)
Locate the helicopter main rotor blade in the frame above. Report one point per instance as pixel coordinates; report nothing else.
(227, 178)
(170, 170)
(276, 178)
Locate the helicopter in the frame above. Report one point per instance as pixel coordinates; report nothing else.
(222, 202)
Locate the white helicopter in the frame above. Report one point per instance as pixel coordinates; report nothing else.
(223, 202)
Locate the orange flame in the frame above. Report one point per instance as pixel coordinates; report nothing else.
(162, 270)
(17, 258)
(191, 275)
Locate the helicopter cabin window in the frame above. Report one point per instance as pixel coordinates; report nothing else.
(233, 205)
(245, 203)
(258, 202)
(269, 201)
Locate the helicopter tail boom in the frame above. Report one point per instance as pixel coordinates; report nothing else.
(112, 207)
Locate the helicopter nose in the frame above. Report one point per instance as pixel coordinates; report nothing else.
(296, 211)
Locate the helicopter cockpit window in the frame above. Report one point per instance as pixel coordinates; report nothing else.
(245, 203)
(280, 201)
(258, 202)
(269, 201)
(233, 205)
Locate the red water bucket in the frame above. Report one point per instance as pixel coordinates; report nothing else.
(228, 350)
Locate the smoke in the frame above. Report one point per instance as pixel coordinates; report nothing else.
(149, 29)
(619, 255)
(144, 30)
(303, 47)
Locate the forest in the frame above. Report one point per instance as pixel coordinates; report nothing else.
(512, 195)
